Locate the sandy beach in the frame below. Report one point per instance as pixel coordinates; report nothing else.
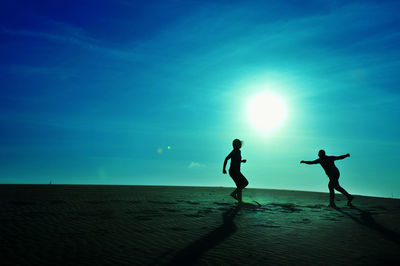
(149, 225)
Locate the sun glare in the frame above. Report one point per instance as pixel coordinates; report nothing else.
(266, 111)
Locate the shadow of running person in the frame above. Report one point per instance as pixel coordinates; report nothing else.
(366, 219)
(190, 254)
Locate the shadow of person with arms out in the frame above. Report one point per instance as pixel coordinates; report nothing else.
(367, 220)
(234, 170)
(191, 254)
(328, 164)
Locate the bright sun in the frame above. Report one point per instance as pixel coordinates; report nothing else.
(266, 111)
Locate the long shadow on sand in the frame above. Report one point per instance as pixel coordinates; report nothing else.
(367, 220)
(190, 254)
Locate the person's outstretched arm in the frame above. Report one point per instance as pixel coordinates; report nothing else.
(225, 162)
(311, 162)
(341, 157)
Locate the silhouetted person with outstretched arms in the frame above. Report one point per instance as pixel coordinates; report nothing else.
(234, 170)
(328, 163)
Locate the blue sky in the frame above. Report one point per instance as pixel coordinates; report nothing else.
(96, 92)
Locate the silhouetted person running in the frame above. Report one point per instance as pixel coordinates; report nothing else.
(234, 170)
(328, 163)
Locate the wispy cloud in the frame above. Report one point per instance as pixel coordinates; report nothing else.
(205, 38)
(51, 71)
(195, 165)
(70, 37)
(67, 34)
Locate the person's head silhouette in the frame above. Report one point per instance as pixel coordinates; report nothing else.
(321, 154)
(237, 144)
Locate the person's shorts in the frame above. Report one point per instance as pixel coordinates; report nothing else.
(239, 179)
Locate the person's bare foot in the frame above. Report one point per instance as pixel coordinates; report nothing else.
(350, 200)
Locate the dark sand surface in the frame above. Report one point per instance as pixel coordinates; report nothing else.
(138, 225)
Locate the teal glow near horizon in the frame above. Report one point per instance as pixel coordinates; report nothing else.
(153, 93)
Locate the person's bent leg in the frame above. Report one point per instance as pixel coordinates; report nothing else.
(239, 195)
(234, 194)
(243, 183)
(344, 192)
(235, 177)
(331, 194)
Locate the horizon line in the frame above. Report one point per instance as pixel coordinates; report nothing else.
(293, 190)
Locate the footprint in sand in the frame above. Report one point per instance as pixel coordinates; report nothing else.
(286, 207)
